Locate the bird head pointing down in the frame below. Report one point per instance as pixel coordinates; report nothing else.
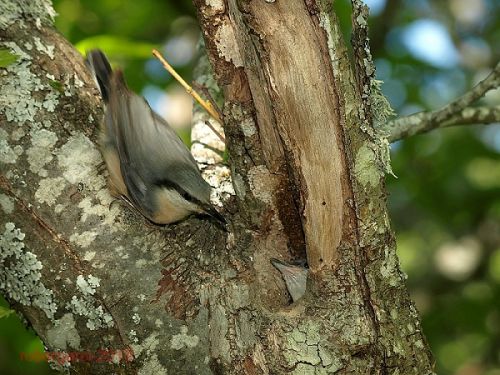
(149, 166)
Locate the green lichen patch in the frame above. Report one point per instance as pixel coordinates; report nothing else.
(381, 108)
(365, 168)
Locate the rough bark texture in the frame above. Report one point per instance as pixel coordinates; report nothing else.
(307, 170)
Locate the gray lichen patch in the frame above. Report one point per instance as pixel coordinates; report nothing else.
(183, 340)
(219, 177)
(262, 183)
(390, 268)
(47, 49)
(103, 208)
(220, 346)
(302, 345)
(87, 306)
(238, 296)
(132, 336)
(385, 156)
(136, 318)
(18, 87)
(38, 10)
(40, 153)
(49, 189)
(215, 6)
(324, 22)
(89, 285)
(84, 239)
(305, 349)
(381, 108)
(152, 366)
(78, 159)
(227, 45)
(7, 153)
(6, 204)
(147, 349)
(63, 334)
(20, 277)
(382, 112)
(17, 134)
(71, 85)
(239, 185)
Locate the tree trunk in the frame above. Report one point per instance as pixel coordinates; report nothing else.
(307, 169)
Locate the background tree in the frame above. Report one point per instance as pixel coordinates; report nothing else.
(475, 185)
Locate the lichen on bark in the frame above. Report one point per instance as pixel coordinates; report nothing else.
(191, 298)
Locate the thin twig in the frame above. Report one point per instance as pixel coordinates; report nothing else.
(218, 134)
(211, 148)
(492, 81)
(205, 104)
(205, 91)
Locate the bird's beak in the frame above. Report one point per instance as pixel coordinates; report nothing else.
(210, 210)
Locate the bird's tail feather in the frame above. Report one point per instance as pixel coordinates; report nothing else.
(100, 67)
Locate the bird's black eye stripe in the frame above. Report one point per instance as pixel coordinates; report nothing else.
(186, 196)
(183, 194)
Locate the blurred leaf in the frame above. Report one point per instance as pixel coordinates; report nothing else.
(494, 266)
(483, 173)
(117, 46)
(6, 58)
(56, 85)
(456, 353)
(5, 312)
(16, 339)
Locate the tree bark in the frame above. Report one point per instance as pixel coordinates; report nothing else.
(307, 170)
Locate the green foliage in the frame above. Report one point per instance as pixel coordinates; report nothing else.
(56, 85)
(6, 58)
(115, 46)
(5, 312)
(16, 344)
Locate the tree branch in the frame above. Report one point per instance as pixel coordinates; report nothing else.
(458, 112)
(423, 122)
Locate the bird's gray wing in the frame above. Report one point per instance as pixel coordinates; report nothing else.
(161, 155)
(151, 153)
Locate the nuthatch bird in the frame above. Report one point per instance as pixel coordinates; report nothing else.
(295, 276)
(148, 164)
